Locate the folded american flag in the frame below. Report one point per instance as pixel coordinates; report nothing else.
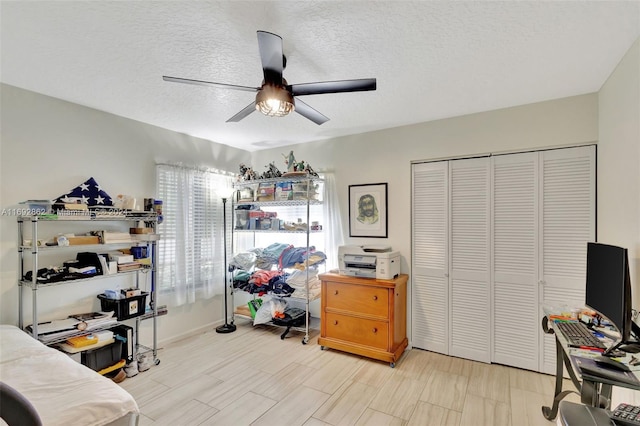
(89, 193)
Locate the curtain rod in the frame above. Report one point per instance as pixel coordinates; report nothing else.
(198, 168)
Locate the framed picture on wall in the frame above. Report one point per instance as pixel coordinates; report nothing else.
(368, 210)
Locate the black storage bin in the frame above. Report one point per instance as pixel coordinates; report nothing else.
(124, 308)
(101, 358)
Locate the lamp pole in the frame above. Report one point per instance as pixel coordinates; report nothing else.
(226, 327)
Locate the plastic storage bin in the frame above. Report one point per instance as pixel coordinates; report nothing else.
(101, 358)
(124, 308)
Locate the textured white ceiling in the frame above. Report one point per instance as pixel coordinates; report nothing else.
(431, 59)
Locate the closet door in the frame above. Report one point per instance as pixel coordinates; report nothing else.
(470, 292)
(430, 286)
(567, 211)
(516, 323)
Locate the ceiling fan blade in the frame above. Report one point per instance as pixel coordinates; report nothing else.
(242, 114)
(270, 46)
(318, 88)
(310, 113)
(209, 83)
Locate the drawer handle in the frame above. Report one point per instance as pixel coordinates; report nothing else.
(335, 322)
(375, 330)
(335, 292)
(375, 297)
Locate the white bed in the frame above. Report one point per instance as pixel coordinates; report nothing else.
(61, 390)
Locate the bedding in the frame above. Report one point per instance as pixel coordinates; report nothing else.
(62, 391)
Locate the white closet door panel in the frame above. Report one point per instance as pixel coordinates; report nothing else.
(470, 291)
(515, 271)
(470, 324)
(430, 287)
(568, 219)
(515, 325)
(568, 223)
(430, 308)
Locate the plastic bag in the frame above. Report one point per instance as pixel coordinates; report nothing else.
(254, 305)
(269, 308)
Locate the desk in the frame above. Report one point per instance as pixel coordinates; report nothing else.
(594, 391)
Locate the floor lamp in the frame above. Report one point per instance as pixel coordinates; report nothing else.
(226, 327)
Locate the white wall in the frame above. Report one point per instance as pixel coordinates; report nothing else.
(385, 156)
(619, 173)
(619, 161)
(48, 147)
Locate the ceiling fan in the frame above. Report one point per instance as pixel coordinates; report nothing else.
(275, 97)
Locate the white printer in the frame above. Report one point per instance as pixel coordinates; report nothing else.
(369, 261)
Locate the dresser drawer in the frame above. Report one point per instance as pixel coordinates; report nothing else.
(358, 299)
(366, 332)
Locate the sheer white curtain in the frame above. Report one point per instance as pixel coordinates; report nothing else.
(191, 248)
(333, 236)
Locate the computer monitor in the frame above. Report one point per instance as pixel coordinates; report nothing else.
(608, 288)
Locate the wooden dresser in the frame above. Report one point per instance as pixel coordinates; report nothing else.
(364, 316)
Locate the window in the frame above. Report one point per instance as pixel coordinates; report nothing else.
(191, 248)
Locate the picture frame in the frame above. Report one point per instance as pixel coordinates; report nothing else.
(368, 210)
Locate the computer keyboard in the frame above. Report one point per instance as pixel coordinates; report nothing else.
(578, 334)
(626, 415)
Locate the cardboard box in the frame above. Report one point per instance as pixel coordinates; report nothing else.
(131, 292)
(141, 230)
(120, 257)
(266, 192)
(82, 240)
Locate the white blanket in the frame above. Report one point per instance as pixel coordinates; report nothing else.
(62, 391)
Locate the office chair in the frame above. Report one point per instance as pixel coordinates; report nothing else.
(15, 409)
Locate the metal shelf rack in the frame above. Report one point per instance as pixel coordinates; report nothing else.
(307, 200)
(35, 251)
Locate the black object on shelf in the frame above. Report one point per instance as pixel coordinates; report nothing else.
(226, 327)
(89, 259)
(124, 334)
(101, 358)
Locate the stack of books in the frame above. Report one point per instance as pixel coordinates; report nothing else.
(130, 266)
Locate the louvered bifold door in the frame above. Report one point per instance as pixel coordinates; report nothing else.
(470, 293)
(429, 263)
(515, 260)
(567, 211)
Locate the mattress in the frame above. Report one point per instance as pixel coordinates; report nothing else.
(62, 391)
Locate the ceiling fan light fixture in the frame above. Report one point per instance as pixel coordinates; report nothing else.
(276, 98)
(274, 101)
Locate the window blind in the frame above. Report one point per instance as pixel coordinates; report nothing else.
(191, 249)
